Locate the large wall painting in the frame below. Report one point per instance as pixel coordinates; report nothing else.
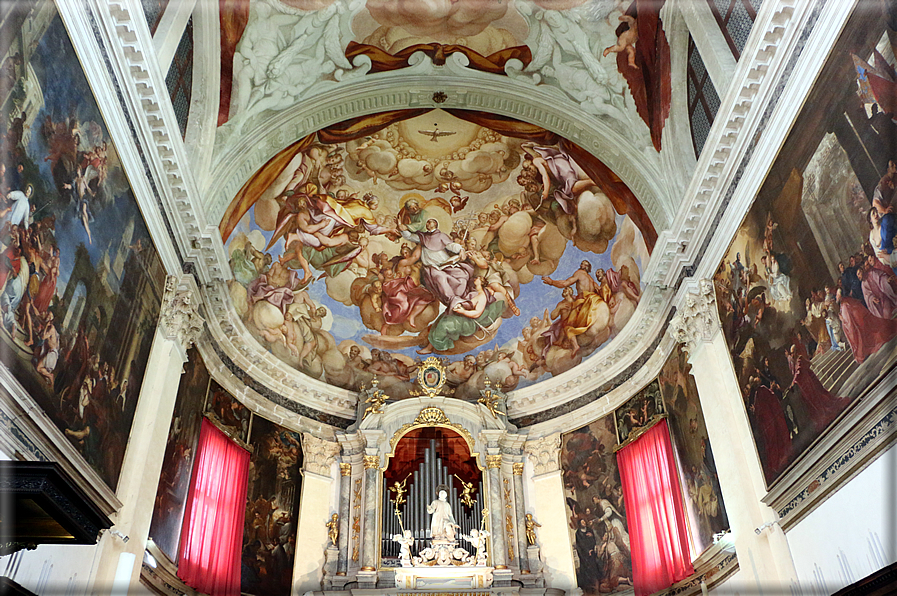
(807, 293)
(180, 451)
(594, 495)
(272, 510)
(80, 279)
(639, 414)
(697, 469)
(413, 233)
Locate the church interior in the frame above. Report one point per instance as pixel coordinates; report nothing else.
(519, 297)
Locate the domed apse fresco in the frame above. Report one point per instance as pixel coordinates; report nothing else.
(496, 244)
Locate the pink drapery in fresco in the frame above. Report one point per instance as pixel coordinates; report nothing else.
(212, 534)
(654, 511)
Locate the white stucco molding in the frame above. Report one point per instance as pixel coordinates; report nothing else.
(544, 453)
(318, 455)
(179, 319)
(696, 321)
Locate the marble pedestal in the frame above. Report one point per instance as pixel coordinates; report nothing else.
(457, 578)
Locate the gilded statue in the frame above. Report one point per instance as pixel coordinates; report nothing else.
(467, 491)
(333, 529)
(531, 526)
(399, 490)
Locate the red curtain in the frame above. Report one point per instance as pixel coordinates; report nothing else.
(212, 534)
(654, 511)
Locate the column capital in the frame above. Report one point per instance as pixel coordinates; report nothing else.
(178, 319)
(345, 469)
(318, 454)
(517, 468)
(371, 462)
(544, 453)
(493, 461)
(696, 321)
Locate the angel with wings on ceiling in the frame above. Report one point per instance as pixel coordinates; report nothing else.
(320, 221)
(643, 58)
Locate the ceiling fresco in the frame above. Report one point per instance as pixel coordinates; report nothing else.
(610, 58)
(360, 248)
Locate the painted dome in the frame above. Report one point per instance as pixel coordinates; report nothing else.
(508, 251)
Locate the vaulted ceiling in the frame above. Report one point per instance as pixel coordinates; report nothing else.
(297, 146)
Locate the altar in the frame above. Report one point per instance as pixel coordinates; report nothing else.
(443, 578)
(431, 497)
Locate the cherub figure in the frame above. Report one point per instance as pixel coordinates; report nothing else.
(477, 539)
(290, 332)
(467, 492)
(531, 526)
(625, 41)
(405, 540)
(398, 488)
(333, 529)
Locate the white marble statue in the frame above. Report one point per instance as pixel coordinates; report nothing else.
(442, 524)
(477, 538)
(405, 540)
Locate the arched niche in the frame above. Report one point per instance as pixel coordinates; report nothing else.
(423, 459)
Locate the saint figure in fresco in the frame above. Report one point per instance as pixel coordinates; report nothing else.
(442, 524)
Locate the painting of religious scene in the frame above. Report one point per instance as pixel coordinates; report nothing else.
(610, 57)
(807, 293)
(697, 469)
(594, 495)
(362, 247)
(230, 415)
(638, 414)
(80, 280)
(272, 509)
(177, 462)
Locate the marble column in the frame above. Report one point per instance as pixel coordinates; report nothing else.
(369, 550)
(765, 556)
(550, 510)
(520, 516)
(345, 495)
(315, 509)
(499, 551)
(179, 326)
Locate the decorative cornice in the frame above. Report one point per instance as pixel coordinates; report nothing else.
(493, 461)
(318, 455)
(371, 462)
(179, 319)
(696, 321)
(544, 452)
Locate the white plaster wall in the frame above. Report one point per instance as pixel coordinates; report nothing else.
(852, 534)
(311, 536)
(549, 509)
(53, 569)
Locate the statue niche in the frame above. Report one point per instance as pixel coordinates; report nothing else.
(433, 503)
